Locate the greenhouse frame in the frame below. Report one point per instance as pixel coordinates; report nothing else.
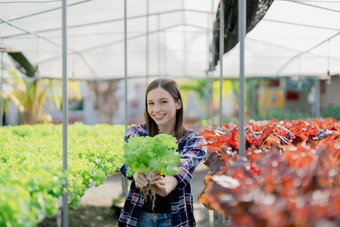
(106, 40)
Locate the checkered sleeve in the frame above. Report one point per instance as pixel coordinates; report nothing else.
(193, 152)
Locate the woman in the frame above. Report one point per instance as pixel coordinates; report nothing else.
(174, 202)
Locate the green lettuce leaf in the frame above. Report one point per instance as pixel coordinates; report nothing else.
(147, 154)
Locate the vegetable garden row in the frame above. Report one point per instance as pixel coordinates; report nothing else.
(290, 176)
(31, 176)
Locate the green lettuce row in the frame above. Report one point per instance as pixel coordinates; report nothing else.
(31, 175)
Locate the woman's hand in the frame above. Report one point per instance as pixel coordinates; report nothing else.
(140, 180)
(163, 185)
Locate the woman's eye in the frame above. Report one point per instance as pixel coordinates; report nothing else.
(150, 103)
(164, 101)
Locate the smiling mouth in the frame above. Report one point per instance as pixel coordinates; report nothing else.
(159, 116)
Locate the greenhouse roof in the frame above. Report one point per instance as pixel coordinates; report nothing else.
(295, 38)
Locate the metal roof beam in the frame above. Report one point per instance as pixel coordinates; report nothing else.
(302, 25)
(105, 21)
(119, 41)
(47, 40)
(305, 51)
(44, 11)
(315, 6)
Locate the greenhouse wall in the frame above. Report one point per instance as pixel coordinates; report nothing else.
(330, 92)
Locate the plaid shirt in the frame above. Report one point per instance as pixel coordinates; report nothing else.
(190, 145)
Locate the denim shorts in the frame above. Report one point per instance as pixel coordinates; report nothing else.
(154, 219)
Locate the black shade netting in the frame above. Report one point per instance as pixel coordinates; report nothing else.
(255, 11)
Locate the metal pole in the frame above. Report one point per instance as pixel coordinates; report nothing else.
(206, 91)
(211, 81)
(217, 216)
(147, 43)
(65, 111)
(221, 56)
(36, 108)
(317, 97)
(165, 69)
(124, 180)
(185, 45)
(1, 86)
(241, 35)
(36, 88)
(211, 87)
(159, 53)
(206, 94)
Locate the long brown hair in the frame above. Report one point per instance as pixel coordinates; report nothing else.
(172, 87)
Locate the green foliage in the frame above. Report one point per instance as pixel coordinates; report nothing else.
(332, 111)
(197, 85)
(31, 175)
(146, 154)
(29, 96)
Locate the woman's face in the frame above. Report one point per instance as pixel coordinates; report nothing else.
(162, 108)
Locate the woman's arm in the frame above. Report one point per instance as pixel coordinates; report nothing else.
(194, 150)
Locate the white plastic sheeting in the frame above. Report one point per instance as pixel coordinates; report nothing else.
(298, 38)
(178, 36)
